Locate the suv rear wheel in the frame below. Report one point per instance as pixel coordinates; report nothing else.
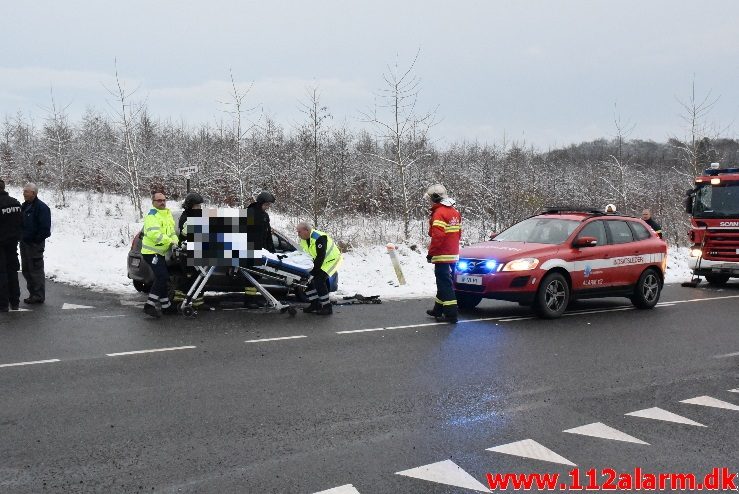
(553, 296)
(717, 279)
(468, 301)
(648, 289)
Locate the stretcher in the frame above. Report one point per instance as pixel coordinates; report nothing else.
(276, 267)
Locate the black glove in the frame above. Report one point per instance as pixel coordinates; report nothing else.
(428, 258)
(315, 271)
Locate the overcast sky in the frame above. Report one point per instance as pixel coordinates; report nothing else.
(547, 72)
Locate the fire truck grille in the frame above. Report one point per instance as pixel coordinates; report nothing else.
(722, 245)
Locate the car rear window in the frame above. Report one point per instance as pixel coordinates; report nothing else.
(595, 229)
(620, 232)
(640, 232)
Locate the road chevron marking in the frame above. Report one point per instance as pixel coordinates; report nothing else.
(445, 472)
(344, 489)
(656, 413)
(601, 430)
(708, 401)
(528, 448)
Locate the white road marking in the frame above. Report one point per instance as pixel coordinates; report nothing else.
(31, 363)
(421, 325)
(445, 472)
(601, 430)
(132, 303)
(21, 309)
(656, 413)
(708, 401)
(106, 317)
(344, 489)
(481, 319)
(735, 354)
(734, 390)
(528, 448)
(67, 306)
(360, 331)
(153, 350)
(275, 339)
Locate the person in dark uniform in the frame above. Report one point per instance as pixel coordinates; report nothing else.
(191, 207)
(258, 210)
(11, 224)
(646, 215)
(36, 229)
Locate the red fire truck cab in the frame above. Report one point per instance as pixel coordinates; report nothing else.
(714, 208)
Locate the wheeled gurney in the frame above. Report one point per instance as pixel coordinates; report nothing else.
(272, 266)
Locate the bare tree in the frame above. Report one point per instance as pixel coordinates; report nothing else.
(237, 162)
(315, 135)
(397, 121)
(58, 137)
(695, 111)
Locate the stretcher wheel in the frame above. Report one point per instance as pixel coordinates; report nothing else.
(188, 311)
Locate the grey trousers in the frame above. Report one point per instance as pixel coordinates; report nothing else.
(32, 267)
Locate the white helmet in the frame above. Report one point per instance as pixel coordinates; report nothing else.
(436, 193)
(611, 208)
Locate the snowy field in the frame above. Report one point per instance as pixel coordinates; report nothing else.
(91, 238)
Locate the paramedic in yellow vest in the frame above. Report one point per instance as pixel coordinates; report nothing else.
(159, 236)
(326, 261)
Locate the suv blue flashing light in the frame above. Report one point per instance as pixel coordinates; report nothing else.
(490, 264)
(463, 265)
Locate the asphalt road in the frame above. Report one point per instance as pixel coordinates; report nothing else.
(251, 402)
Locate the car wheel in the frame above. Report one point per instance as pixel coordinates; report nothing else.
(553, 296)
(467, 301)
(648, 289)
(140, 286)
(717, 279)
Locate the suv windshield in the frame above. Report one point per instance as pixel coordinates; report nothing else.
(717, 201)
(539, 231)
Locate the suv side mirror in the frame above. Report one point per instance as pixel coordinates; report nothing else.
(581, 242)
(689, 204)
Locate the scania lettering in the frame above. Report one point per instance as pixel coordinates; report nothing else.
(714, 208)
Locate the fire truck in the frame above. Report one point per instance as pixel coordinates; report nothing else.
(714, 208)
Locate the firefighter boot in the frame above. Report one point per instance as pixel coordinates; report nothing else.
(450, 314)
(325, 310)
(313, 307)
(153, 311)
(436, 311)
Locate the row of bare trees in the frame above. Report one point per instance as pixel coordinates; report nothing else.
(324, 170)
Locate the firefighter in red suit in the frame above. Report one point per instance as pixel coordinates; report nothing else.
(445, 230)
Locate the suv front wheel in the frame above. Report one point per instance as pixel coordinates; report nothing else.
(648, 289)
(553, 296)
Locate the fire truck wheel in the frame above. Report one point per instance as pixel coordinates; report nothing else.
(717, 279)
(648, 289)
(553, 296)
(467, 301)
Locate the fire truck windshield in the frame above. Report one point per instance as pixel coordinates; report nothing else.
(717, 201)
(539, 231)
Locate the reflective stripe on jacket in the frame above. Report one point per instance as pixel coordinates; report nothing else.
(332, 259)
(445, 230)
(159, 232)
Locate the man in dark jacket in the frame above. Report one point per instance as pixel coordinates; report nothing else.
(11, 222)
(646, 215)
(258, 210)
(36, 229)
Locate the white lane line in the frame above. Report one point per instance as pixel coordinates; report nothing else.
(481, 319)
(511, 319)
(528, 448)
(734, 390)
(445, 472)
(107, 317)
(702, 299)
(422, 325)
(360, 331)
(708, 401)
(735, 354)
(18, 364)
(67, 306)
(276, 339)
(153, 350)
(602, 431)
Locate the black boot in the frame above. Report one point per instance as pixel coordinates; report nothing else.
(152, 311)
(313, 307)
(325, 310)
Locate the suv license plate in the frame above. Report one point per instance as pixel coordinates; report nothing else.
(469, 280)
(135, 262)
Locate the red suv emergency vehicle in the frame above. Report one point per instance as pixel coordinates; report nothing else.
(563, 254)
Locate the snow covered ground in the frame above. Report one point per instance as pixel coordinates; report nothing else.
(91, 238)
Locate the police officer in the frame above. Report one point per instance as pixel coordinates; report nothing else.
(36, 229)
(158, 238)
(445, 230)
(11, 223)
(646, 215)
(326, 261)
